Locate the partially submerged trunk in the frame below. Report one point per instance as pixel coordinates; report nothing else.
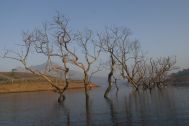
(110, 75)
(61, 98)
(66, 70)
(86, 82)
(109, 84)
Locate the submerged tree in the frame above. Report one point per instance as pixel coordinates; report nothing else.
(91, 53)
(134, 66)
(126, 52)
(41, 41)
(55, 41)
(109, 45)
(156, 72)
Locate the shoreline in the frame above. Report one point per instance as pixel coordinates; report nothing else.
(40, 86)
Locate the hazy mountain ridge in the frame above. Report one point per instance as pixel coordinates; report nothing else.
(73, 74)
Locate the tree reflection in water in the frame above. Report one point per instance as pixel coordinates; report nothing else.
(160, 107)
(87, 108)
(112, 111)
(151, 108)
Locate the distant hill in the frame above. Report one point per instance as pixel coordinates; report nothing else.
(181, 76)
(19, 77)
(73, 74)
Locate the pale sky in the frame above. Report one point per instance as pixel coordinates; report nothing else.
(161, 26)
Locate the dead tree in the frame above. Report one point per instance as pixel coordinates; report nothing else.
(41, 41)
(149, 71)
(134, 66)
(156, 72)
(163, 66)
(108, 45)
(90, 51)
(22, 58)
(63, 38)
(59, 39)
(127, 53)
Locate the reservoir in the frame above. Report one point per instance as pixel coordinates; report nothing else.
(166, 107)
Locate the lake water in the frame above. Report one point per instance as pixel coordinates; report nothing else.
(165, 107)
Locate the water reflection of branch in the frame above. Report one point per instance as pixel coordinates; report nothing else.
(53, 115)
(112, 111)
(128, 111)
(142, 106)
(67, 113)
(117, 88)
(67, 116)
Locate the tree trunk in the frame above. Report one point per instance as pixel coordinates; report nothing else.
(61, 98)
(110, 77)
(86, 83)
(87, 107)
(109, 84)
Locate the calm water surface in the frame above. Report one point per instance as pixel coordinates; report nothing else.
(166, 107)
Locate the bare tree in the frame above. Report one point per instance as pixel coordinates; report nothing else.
(156, 72)
(55, 40)
(22, 58)
(108, 44)
(127, 53)
(135, 67)
(90, 51)
(43, 42)
(132, 61)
